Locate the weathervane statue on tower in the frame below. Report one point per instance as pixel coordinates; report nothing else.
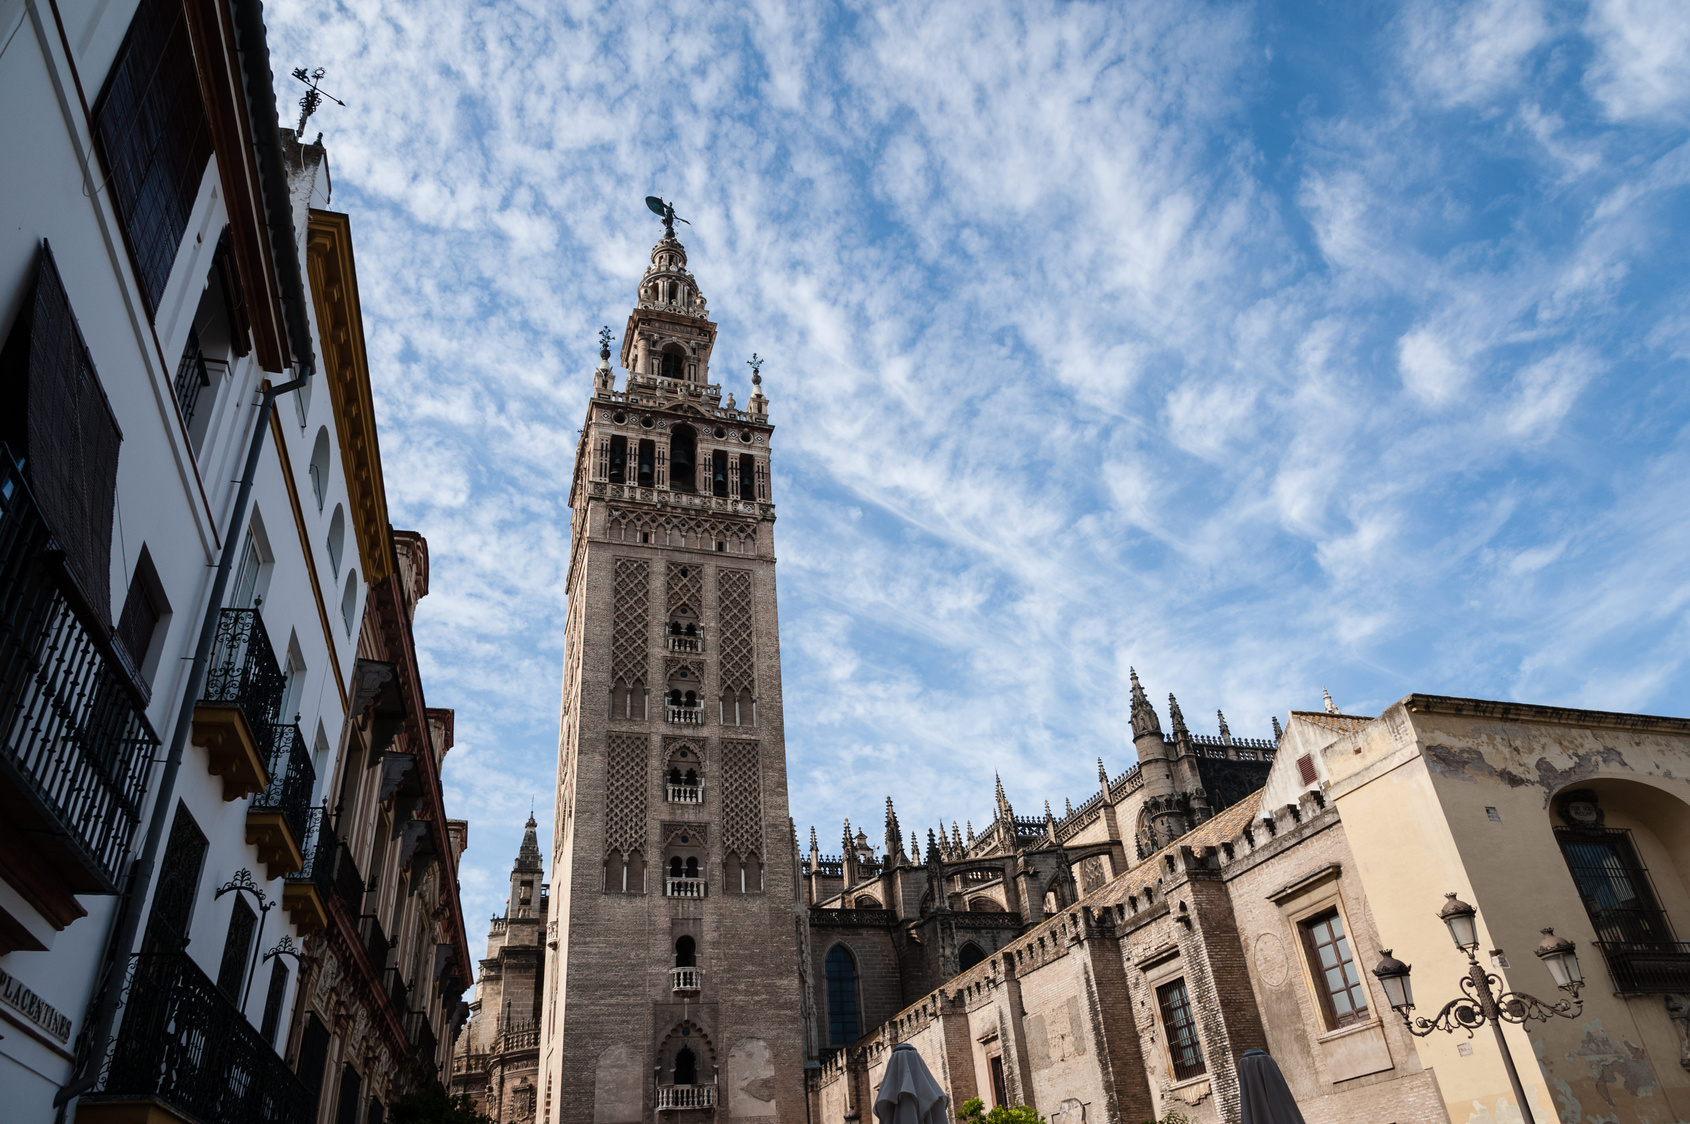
(666, 211)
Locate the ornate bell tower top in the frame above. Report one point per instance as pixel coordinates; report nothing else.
(669, 334)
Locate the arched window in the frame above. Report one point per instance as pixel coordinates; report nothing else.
(683, 459)
(686, 1067)
(841, 996)
(320, 467)
(349, 601)
(969, 955)
(674, 362)
(692, 866)
(686, 952)
(337, 538)
(675, 866)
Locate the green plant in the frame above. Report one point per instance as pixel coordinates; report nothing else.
(1171, 1118)
(974, 1112)
(433, 1105)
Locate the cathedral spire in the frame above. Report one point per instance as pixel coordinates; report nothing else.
(1102, 775)
(1226, 734)
(1050, 825)
(970, 825)
(956, 840)
(1175, 718)
(894, 835)
(1143, 714)
(528, 857)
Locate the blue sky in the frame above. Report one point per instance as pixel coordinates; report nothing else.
(1265, 348)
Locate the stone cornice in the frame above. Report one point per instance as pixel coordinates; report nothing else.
(1553, 715)
(340, 323)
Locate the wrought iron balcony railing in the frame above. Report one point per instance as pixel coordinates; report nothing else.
(285, 805)
(183, 1043)
(1648, 967)
(305, 894)
(683, 887)
(686, 793)
(684, 715)
(243, 670)
(420, 1033)
(191, 377)
(673, 1098)
(375, 941)
(686, 979)
(75, 744)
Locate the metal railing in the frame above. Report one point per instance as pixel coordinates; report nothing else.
(671, 1098)
(686, 793)
(686, 979)
(243, 669)
(1647, 967)
(420, 1032)
(684, 715)
(292, 776)
(191, 377)
(318, 844)
(375, 941)
(679, 643)
(73, 733)
(182, 1042)
(683, 887)
(348, 883)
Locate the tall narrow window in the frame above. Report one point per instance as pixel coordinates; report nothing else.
(349, 601)
(683, 457)
(320, 467)
(178, 885)
(143, 607)
(719, 472)
(236, 947)
(1342, 996)
(313, 1059)
(273, 1000)
(686, 1067)
(151, 126)
(337, 538)
(1000, 1093)
(747, 476)
(618, 460)
(246, 587)
(351, 1092)
(686, 952)
(648, 468)
(1183, 1048)
(841, 996)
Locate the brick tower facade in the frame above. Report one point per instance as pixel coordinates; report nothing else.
(672, 976)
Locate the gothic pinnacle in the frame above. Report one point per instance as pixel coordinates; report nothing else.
(970, 825)
(1143, 714)
(1277, 732)
(1102, 775)
(813, 847)
(1226, 734)
(1175, 718)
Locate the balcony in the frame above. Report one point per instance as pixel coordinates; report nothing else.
(686, 979)
(685, 793)
(675, 1098)
(276, 819)
(305, 895)
(1647, 967)
(75, 744)
(683, 887)
(420, 1033)
(519, 1036)
(375, 941)
(684, 715)
(191, 377)
(183, 1044)
(678, 642)
(243, 692)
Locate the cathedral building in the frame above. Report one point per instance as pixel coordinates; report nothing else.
(1112, 963)
(672, 945)
(496, 1061)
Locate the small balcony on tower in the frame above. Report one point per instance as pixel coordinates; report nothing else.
(683, 708)
(676, 1098)
(684, 636)
(682, 784)
(686, 980)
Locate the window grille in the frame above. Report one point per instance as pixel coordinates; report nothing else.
(1338, 982)
(232, 973)
(1614, 885)
(1183, 1048)
(273, 1000)
(151, 129)
(178, 884)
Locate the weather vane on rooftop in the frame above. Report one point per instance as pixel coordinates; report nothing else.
(666, 211)
(313, 96)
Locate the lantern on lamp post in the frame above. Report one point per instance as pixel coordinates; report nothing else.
(1481, 1002)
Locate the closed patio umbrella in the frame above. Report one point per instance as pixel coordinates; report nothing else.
(908, 1094)
(1262, 1089)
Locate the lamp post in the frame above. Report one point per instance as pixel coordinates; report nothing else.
(1481, 1002)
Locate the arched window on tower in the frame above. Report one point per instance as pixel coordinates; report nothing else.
(719, 472)
(674, 358)
(686, 952)
(747, 477)
(618, 460)
(969, 955)
(686, 1067)
(683, 459)
(841, 996)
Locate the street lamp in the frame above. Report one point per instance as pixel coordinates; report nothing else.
(1481, 1002)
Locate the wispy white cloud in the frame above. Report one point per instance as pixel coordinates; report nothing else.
(1256, 354)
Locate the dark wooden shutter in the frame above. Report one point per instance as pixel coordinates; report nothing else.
(273, 1000)
(313, 1058)
(153, 135)
(55, 419)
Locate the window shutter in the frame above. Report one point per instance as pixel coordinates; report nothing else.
(153, 135)
(56, 420)
(1305, 769)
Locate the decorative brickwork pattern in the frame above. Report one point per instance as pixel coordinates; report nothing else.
(625, 793)
(742, 799)
(629, 660)
(686, 587)
(734, 612)
(665, 528)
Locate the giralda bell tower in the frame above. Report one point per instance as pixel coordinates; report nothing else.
(672, 972)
